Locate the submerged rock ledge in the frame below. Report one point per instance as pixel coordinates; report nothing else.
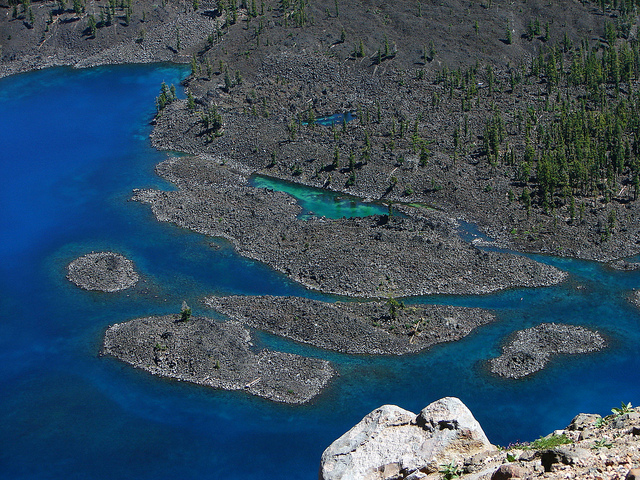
(367, 257)
(214, 354)
(355, 328)
(104, 271)
(530, 350)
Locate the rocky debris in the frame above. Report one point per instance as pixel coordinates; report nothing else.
(104, 271)
(219, 355)
(358, 328)
(528, 351)
(392, 443)
(624, 419)
(624, 265)
(567, 455)
(633, 474)
(154, 33)
(506, 472)
(584, 421)
(361, 257)
(634, 298)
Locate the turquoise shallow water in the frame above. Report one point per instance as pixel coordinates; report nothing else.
(320, 203)
(74, 145)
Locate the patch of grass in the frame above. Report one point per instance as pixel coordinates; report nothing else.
(543, 443)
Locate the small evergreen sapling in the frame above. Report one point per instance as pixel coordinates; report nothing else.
(185, 312)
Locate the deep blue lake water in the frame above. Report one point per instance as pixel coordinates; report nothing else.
(74, 145)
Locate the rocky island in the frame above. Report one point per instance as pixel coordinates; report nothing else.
(419, 254)
(445, 441)
(528, 351)
(373, 328)
(104, 271)
(220, 355)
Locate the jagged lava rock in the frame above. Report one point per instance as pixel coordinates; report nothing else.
(392, 443)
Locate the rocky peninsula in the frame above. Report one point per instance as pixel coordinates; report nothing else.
(444, 441)
(103, 271)
(373, 328)
(459, 120)
(420, 254)
(219, 355)
(528, 351)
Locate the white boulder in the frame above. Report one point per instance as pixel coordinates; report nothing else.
(393, 443)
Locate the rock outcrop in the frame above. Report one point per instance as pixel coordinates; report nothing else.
(624, 266)
(530, 350)
(392, 443)
(104, 271)
(446, 442)
(634, 298)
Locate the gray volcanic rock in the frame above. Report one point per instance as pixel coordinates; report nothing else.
(150, 37)
(362, 257)
(353, 327)
(392, 443)
(583, 420)
(529, 350)
(624, 265)
(634, 298)
(214, 354)
(104, 271)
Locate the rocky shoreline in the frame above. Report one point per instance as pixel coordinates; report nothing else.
(150, 36)
(444, 441)
(528, 351)
(372, 328)
(407, 142)
(103, 271)
(367, 257)
(624, 266)
(214, 354)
